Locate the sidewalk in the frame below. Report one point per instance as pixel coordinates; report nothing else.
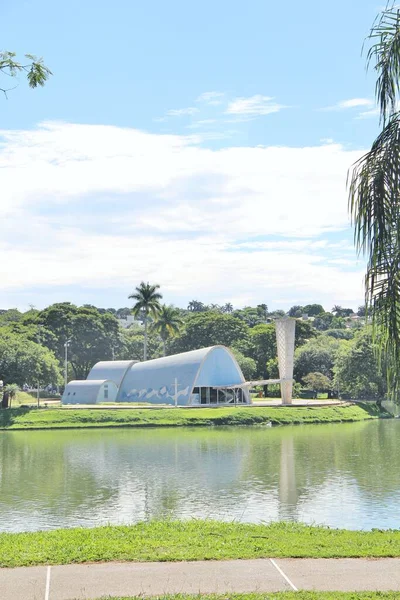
(90, 581)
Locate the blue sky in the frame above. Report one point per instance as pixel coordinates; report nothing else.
(203, 146)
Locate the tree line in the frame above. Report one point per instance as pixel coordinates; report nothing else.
(333, 354)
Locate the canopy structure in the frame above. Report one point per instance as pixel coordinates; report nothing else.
(250, 384)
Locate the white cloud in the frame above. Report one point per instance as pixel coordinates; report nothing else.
(180, 112)
(369, 114)
(351, 103)
(257, 105)
(212, 98)
(355, 102)
(103, 207)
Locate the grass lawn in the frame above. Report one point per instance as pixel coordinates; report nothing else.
(30, 399)
(52, 418)
(192, 540)
(274, 596)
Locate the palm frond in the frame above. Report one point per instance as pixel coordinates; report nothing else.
(374, 203)
(168, 322)
(385, 53)
(147, 299)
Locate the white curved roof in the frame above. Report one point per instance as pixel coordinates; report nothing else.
(88, 383)
(87, 392)
(110, 369)
(154, 380)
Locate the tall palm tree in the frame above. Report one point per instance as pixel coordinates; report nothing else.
(168, 323)
(147, 305)
(374, 198)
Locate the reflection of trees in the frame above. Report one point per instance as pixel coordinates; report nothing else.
(36, 479)
(298, 461)
(128, 475)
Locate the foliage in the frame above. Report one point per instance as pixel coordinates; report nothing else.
(357, 372)
(123, 313)
(23, 361)
(168, 324)
(262, 348)
(273, 368)
(35, 70)
(192, 540)
(312, 310)
(340, 334)
(317, 382)
(12, 315)
(147, 305)
(196, 306)
(247, 364)
(276, 314)
(361, 311)
(12, 390)
(132, 344)
(318, 355)
(327, 320)
(147, 300)
(93, 336)
(227, 308)
(374, 196)
(296, 311)
(339, 311)
(209, 329)
(251, 316)
(304, 332)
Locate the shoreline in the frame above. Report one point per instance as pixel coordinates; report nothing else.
(23, 418)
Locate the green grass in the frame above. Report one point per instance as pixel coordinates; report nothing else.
(272, 596)
(192, 540)
(54, 418)
(30, 399)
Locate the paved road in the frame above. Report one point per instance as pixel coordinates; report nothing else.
(84, 582)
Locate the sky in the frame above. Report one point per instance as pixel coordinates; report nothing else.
(201, 146)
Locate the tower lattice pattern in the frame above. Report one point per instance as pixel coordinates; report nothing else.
(285, 330)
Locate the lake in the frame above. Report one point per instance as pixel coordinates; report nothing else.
(342, 475)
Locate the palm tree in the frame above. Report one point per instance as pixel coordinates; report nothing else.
(147, 305)
(168, 324)
(196, 306)
(374, 198)
(12, 389)
(227, 308)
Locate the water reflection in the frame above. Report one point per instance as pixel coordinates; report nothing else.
(342, 475)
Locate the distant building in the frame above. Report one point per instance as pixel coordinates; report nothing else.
(128, 321)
